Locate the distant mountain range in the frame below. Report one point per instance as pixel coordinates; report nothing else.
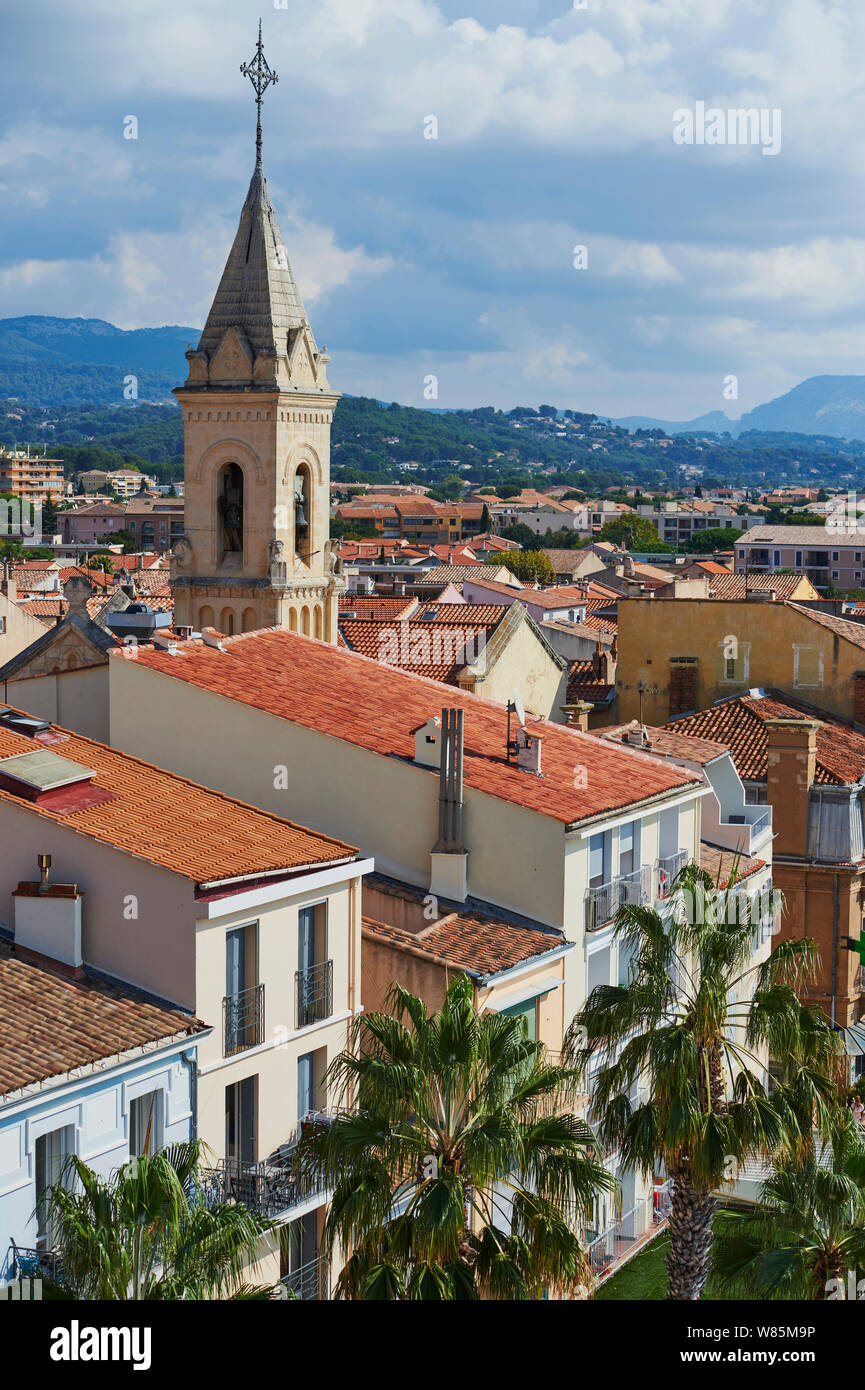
(831, 406)
(54, 361)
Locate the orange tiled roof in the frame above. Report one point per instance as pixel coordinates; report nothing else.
(673, 741)
(470, 941)
(610, 626)
(740, 725)
(484, 613)
(377, 707)
(51, 1023)
(437, 650)
(720, 863)
(583, 684)
(376, 606)
(172, 822)
(733, 586)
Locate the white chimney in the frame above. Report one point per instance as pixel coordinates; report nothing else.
(427, 743)
(529, 751)
(47, 918)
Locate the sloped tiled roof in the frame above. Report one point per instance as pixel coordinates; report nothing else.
(854, 632)
(378, 607)
(350, 697)
(437, 650)
(733, 586)
(721, 863)
(740, 725)
(470, 941)
(172, 822)
(583, 684)
(460, 612)
(51, 1023)
(458, 574)
(671, 740)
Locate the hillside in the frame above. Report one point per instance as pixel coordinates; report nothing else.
(53, 361)
(822, 406)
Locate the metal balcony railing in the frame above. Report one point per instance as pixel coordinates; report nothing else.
(271, 1187)
(314, 993)
(636, 887)
(243, 1020)
(309, 1281)
(602, 904)
(669, 867)
(28, 1263)
(760, 825)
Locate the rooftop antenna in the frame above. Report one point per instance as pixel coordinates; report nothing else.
(515, 706)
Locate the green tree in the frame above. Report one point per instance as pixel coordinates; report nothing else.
(809, 1226)
(529, 564)
(102, 561)
(714, 538)
(690, 1026)
(150, 1231)
(636, 532)
(455, 1111)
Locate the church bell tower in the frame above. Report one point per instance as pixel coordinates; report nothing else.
(257, 411)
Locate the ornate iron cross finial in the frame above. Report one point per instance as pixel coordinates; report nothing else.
(261, 76)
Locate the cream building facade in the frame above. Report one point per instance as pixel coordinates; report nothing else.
(236, 917)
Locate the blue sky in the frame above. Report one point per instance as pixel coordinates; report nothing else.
(454, 256)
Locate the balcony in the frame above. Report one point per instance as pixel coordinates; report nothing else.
(669, 868)
(314, 993)
(27, 1263)
(271, 1188)
(308, 1281)
(242, 1020)
(604, 901)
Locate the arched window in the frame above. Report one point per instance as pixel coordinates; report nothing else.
(206, 618)
(304, 620)
(250, 620)
(229, 504)
(318, 623)
(292, 620)
(303, 513)
(226, 622)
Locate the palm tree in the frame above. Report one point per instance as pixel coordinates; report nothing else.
(809, 1227)
(149, 1231)
(461, 1172)
(694, 1026)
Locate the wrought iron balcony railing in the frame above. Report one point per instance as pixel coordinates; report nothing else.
(271, 1187)
(243, 1020)
(314, 993)
(309, 1281)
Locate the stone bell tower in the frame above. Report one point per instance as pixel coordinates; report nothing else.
(257, 411)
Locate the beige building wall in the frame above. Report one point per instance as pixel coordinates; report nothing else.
(773, 646)
(522, 663)
(17, 629)
(75, 699)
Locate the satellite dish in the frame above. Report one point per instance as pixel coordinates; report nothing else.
(518, 706)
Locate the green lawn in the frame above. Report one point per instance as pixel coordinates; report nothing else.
(644, 1278)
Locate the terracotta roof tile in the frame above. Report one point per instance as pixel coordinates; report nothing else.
(720, 863)
(470, 941)
(172, 822)
(51, 1023)
(380, 607)
(583, 684)
(740, 725)
(377, 707)
(438, 650)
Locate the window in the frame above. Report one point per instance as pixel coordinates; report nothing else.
(629, 848)
(145, 1136)
(668, 832)
(599, 859)
(528, 1011)
(243, 1005)
(798, 559)
(52, 1151)
(836, 574)
(311, 1090)
(836, 556)
(776, 557)
(807, 666)
(730, 668)
(229, 505)
(240, 1101)
(314, 969)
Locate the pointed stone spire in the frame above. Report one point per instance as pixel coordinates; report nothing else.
(257, 292)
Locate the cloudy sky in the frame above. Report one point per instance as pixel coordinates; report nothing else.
(454, 256)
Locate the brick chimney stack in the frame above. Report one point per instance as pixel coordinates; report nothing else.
(792, 759)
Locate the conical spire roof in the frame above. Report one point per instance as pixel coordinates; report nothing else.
(257, 292)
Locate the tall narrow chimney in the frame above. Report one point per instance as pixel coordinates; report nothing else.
(792, 766)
